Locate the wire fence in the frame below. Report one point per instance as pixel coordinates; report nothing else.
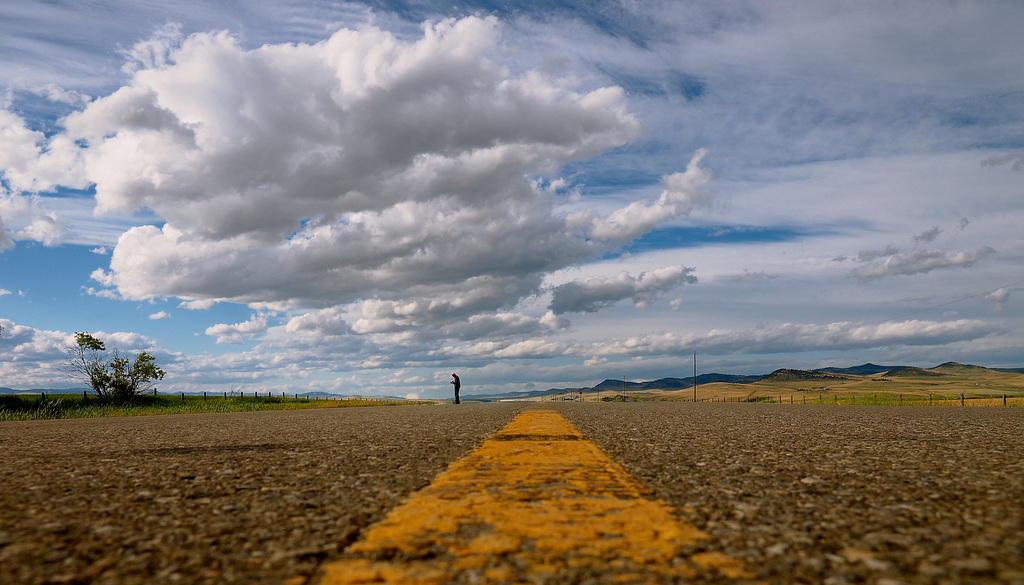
(876, 399)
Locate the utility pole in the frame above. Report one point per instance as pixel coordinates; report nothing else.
(695, 376)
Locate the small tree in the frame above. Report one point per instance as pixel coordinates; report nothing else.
(86, 362)
(116, 376)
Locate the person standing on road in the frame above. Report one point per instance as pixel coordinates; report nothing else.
(458, 384)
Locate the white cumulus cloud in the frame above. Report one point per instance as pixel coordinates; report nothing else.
(238, 332)
(363, 168)
(683, 191)
(389, 185)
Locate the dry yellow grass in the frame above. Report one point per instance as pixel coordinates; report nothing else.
(977, 386)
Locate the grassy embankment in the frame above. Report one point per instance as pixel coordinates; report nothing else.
(53, 406)
(950, 385)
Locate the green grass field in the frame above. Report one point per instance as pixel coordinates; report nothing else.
(53, 406)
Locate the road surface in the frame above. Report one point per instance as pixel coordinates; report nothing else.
(816, 494)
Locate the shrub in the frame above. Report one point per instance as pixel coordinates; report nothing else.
(110, 375)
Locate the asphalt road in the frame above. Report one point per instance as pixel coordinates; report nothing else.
(815, 494)
(835, 494)
(217, 498)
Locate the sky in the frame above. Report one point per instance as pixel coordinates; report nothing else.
(362, 198)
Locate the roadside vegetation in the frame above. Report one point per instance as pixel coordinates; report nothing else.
(22, 407)
(110, 375)
(121, 384)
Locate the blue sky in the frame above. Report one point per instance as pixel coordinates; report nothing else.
(361, 198)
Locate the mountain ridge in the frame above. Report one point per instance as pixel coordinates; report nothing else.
(780, 375)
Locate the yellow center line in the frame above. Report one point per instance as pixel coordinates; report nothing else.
(536, 500)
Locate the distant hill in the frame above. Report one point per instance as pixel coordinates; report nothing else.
(912, 372)
(958, 368)
(668, 384)
(787, 375)
(868, 369)
(781, 375)
(726, 378)
(611, 385)
(677, 383)
(618, 385)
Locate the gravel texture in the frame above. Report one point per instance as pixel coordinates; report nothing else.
(802, 494)
(259, 497)
(834, 495)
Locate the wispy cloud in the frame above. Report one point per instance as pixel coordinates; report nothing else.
(927, 236)
(591, 295)
(916, 261)
(1016, 160)
(794, 337)
(683, 191)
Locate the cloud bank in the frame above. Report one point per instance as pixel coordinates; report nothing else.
(366, 184)
(396, 198)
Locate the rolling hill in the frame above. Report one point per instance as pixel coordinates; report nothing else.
(912, 372)
(958, 368)
(867, 369)
(855, 375)
(785, 375)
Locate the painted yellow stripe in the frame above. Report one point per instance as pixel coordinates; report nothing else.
(536, 500)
